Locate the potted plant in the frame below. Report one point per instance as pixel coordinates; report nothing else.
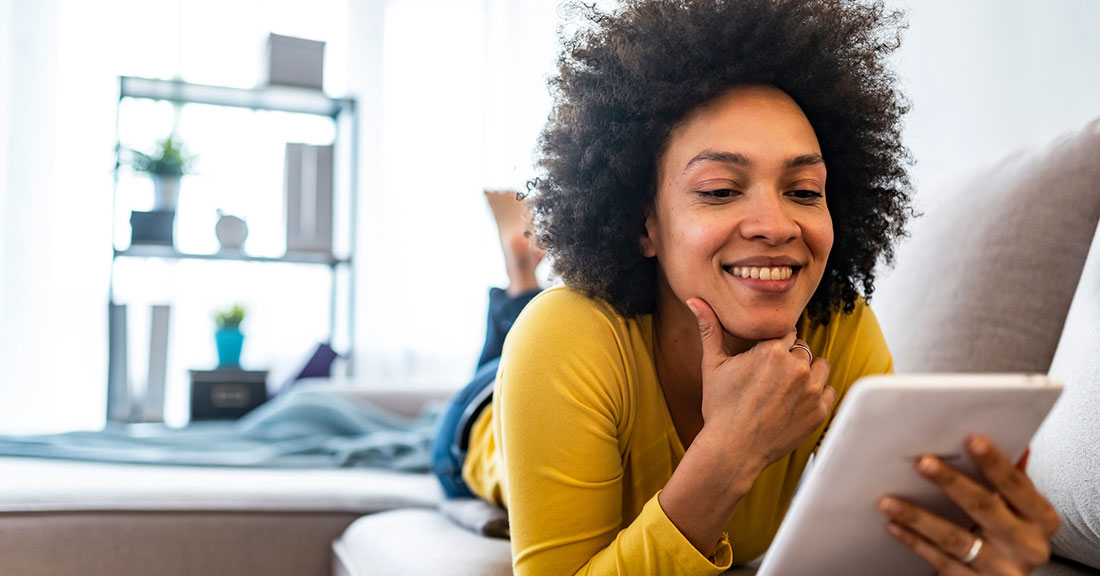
(229, 337)
(166, 165)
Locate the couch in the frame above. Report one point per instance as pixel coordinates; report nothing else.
(984, 284)
(994, 278)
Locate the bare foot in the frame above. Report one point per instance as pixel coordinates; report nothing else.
(521, 255)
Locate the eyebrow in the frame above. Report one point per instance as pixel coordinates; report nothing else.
(740, 160)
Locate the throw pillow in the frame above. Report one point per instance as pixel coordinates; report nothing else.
(984, 283)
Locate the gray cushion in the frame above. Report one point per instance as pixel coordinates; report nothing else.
(986, 279)
(1065, 453)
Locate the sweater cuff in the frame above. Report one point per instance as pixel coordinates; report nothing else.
(686, 554)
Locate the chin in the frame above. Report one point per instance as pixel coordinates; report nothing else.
(757, 331)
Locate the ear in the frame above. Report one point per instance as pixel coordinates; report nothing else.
(648, 245)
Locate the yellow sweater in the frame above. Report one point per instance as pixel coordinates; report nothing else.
(579, 441)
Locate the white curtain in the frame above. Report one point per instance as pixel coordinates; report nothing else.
(454, 94)
(54, 250)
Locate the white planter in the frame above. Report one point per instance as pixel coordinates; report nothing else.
(166, 192)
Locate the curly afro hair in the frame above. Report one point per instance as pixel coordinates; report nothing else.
(629, 76)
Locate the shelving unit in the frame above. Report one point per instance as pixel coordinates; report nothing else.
(343, 115)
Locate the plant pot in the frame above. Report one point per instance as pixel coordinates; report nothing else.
(229, 341)
(166, 192)
(152, 227)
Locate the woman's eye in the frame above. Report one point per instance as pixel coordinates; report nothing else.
(806, 194)
(719, 193)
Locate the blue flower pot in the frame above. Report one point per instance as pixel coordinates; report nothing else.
(229, 341)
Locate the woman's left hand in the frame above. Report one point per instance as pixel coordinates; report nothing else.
(1014, 522)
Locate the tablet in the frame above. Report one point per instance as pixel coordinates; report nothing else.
(833, 527)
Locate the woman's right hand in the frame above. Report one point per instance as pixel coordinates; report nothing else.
(768, 398)
(757, 407)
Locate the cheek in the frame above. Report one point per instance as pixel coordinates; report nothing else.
(819, 237)
(697, 236)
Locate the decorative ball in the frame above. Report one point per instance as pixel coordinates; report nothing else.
(231, 231)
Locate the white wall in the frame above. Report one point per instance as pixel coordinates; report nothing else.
(988, 76)
(450, 104)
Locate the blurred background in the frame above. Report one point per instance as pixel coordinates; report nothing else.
(449, 96)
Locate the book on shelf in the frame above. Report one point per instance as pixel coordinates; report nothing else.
(308, 193)
(118, 374)
(159, 321)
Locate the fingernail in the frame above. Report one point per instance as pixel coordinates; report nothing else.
(691, 306)
(927, 465)
(895, 530)
(978, 447)
(889, 506)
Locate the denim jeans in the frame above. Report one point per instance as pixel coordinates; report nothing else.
(452, 438)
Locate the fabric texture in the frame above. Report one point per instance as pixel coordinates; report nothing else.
(477, 515)
(304, 429)
(209, 543)
(1065, 453)
(580, 419)
(997, 263)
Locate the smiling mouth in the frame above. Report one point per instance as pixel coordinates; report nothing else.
(763, 272)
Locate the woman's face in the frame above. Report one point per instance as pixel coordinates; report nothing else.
(740, 219)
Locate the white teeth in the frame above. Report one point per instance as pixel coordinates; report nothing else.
(764, 273)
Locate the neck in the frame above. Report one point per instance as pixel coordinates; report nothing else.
(678, 351)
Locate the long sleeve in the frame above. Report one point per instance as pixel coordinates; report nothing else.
(564, 411)
(578, 442)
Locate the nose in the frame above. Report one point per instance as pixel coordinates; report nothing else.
(769, 219)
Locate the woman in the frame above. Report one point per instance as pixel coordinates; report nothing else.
(654, 415)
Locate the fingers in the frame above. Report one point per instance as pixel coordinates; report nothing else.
(799, 347)
(819, 377)
(947, 536)
(979, 503)
(944, 564)
(1013, 485)
(710, 331)
(819, 370)
(1027, 539)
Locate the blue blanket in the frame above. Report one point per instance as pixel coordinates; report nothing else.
(307, 429)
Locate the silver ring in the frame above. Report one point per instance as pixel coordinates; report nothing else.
(975, 549)
(804, 347)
